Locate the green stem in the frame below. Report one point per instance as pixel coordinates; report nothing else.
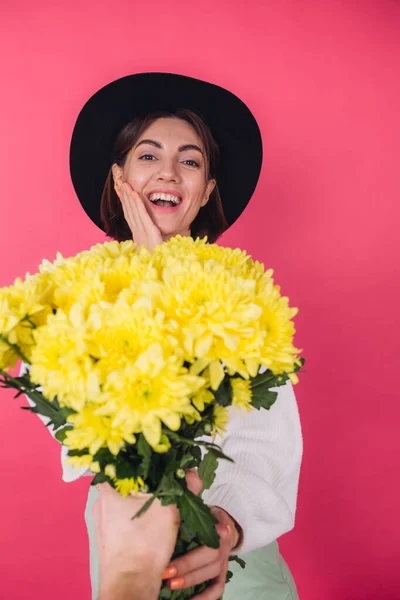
(208, 445)
(25, 387)
(15, 348)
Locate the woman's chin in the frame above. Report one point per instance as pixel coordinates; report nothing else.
(168, 228)
(167, 235)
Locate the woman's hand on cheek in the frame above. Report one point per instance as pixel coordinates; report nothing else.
(203, 564)
(144, 232)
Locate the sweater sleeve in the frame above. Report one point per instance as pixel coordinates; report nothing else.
(259, 490)
(69, 473)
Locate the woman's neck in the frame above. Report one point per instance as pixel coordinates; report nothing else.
(168, 236)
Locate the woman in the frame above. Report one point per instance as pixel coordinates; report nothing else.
(173, 172)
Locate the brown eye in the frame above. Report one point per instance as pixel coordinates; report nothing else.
(147, 157)
(191, 163)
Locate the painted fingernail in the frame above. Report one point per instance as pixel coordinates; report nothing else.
(177, 584)
(169, 572)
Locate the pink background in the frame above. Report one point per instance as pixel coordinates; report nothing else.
(322, 77)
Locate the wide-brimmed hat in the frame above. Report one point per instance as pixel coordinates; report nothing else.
(232, 125)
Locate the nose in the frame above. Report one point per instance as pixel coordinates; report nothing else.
(168, 171)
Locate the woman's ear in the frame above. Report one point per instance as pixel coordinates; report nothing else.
(209, 189)
(117, 173)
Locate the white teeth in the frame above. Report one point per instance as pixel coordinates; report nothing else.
(169, 197)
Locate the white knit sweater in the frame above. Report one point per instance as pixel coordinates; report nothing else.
(259, 490)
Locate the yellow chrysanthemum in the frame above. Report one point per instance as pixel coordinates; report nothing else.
(241, 393)
(100, 273)
(277, 352)
(209, 325)
(127, 486)
(80, 461)
(124, 273)
(132, 339)
(84, 461)
(8, 322)
(269, 338)
(61, 361)
(94, 432)
(110, 471)
(117, 334)
(221, 418)
(189, 250)
(203, 397)
(112, 249)
(163, 446)
(23, 307)
(153, 390)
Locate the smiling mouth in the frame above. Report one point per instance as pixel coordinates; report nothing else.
(165, 200)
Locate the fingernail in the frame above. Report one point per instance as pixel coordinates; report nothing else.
(177, 584)
(169, 572)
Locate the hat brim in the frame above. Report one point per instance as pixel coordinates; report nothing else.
(232, 124)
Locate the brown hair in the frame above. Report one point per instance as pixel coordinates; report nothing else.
(209, 221)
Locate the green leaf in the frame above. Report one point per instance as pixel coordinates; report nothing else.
(207, 469)
(42, 406)
(218, 452)
(103, 456)
(192, 546)
(263, 397)
(196, 453)
(229, 576)
(169, 491)
(100, 478)
(165, 593)
(145, 452)
(46, 408)
(186, 593)
(124, 470)
(223, 395)
(81, 452)
(238, 560)
(170, 461)
(262, 378)
(198, 519)
(208, 445)
(61, 434)
(187, 461)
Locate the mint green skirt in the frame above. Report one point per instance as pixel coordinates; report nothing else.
(266, 576)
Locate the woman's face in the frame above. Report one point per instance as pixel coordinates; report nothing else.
(167, 168)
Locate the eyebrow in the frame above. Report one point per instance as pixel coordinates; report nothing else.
(180, 149)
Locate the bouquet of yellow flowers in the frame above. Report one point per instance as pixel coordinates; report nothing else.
(136, 358)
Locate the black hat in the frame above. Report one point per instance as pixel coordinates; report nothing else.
(232, 125)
